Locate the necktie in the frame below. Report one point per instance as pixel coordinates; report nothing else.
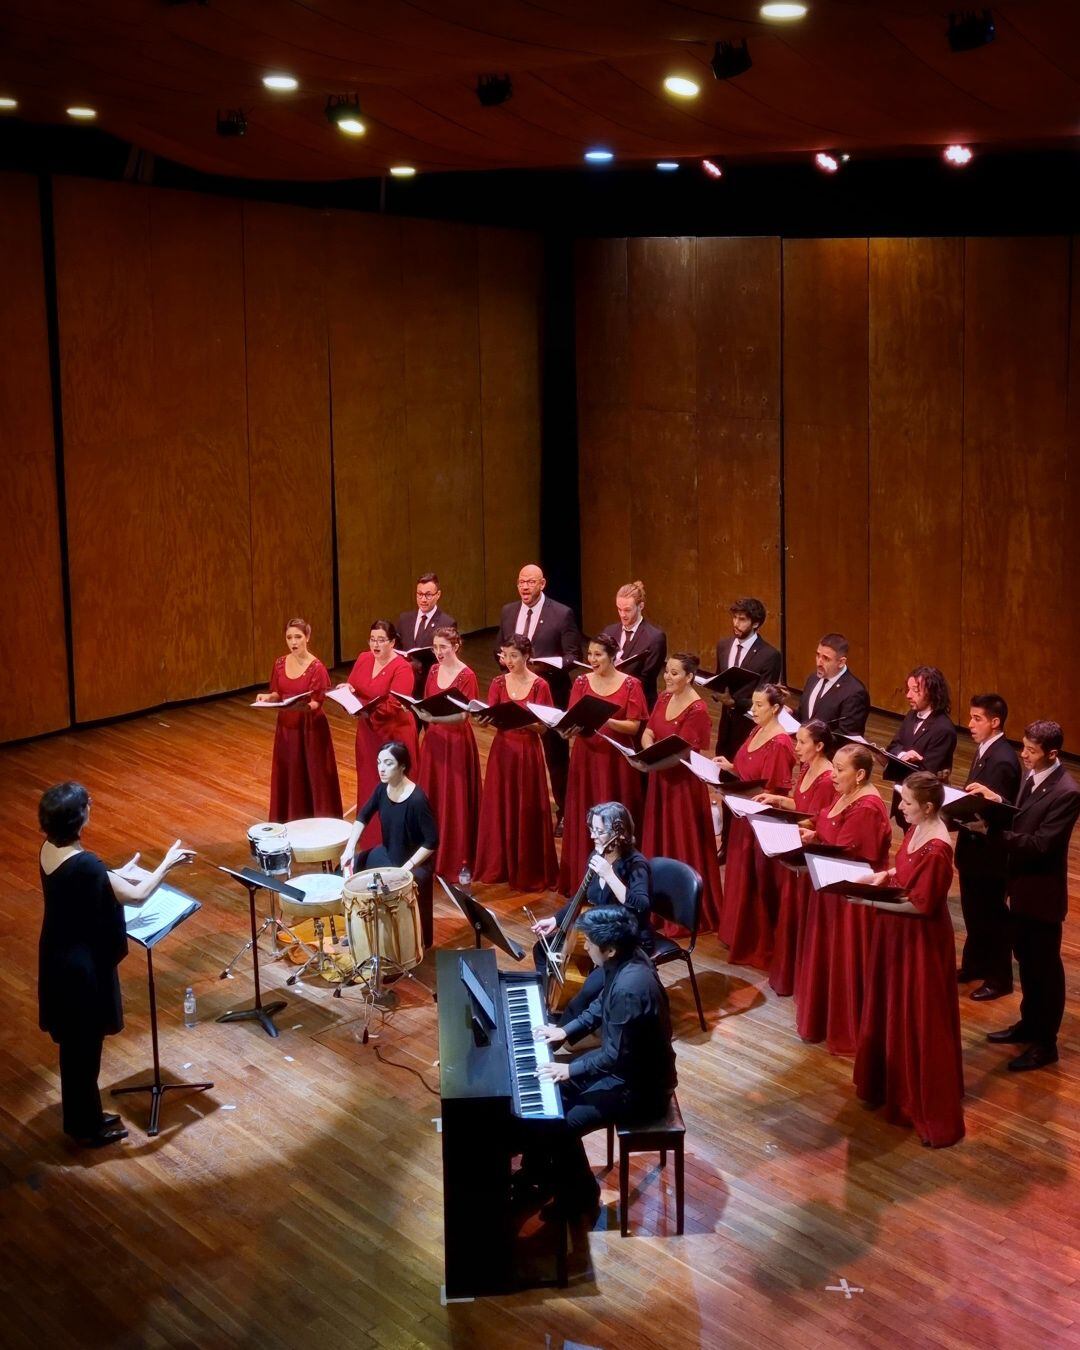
(529, 622)
(738, 654)
(1026, 790)
(815, 696)
(627, 638)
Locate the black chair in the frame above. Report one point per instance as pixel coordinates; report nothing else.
(676, 896)
(648, 1136)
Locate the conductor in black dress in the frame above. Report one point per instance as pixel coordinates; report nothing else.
(83, 940)
(748, 650)
(832, 694)
(639, 642)
(417, 627)
(553, 631)
(1037, 859)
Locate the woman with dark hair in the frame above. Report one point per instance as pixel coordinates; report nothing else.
(752, 881)
(836, 946)
(380, 672)
(598, 772)
(811, 791)
(515, 840)
(450, 763)
(678, 812)
(304, 777)
(409, 834)
(83, 940)
(908, 1057)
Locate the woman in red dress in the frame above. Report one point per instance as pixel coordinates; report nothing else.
(380, 671)
(811, 791)
(598, 773)
(450, 765)
(751, 881)
(678, 812)
(908, 1057)
(836, 947)
(304, 777)
(515, 841)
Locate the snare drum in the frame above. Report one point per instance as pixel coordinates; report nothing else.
(318, 839)
(387, 924)
(270, 848)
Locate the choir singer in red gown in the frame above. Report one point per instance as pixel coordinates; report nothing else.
(381, 670)
(836, 947)
(516, 841)
(450, 765)
(304, 777)
(908, 1058)
(598, 773)
(678, 812)
(751, 881)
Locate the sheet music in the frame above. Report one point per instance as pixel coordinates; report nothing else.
(951, 794)
(281, 702)
(549, 716)
(347, 699)
(829, 871)
(625, 751)
(788, 721)
(744, 806)
(702, 767)
(775, 837)
(555, 662)
(156, 917)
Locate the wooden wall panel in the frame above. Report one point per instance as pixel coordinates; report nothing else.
(664, 507)
(1016, 599)
(662, 339)
(826, 457)
(442, 380)
(37, 683)
(916, 468)
(288, 403)
(371, 464)
(1069, 712)
(737, 323)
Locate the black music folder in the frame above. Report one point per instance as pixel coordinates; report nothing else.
(731, 681)
(587, 715)
(503, 716)
(661, 754)
(441, 704)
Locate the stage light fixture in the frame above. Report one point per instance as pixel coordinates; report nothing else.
(281, 84)
(682, 86)
(82, 113)
(782, 11)
(957, 155)
(231, 122)
(599, 156)
(826, 163)
(402, 171)
(666, 165)
(494, 90)
(969, 30)
(730, 60)
(343, 112)
(6, 104)
(712, 168)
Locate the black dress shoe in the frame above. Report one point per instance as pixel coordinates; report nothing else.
(1014, 1035)
(1034, 1057)
(104, 1137)
(567, 1209)
(109, 1119)
(987, 991)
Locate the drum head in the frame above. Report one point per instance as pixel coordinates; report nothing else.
(317, 887)
(266, 829)
(395, 879)
(318, 838)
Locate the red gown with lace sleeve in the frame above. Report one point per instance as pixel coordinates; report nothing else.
(304, 777)
(390, 721)
(450, 777)
(795, 889)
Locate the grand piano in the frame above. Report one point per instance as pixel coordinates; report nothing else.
(488, 1083)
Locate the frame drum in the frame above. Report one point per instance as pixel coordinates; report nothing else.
(318, 839)
(387, 924)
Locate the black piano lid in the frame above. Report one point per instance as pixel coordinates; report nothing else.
(468, 1070)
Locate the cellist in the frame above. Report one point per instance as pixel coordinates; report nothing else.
(616, 874)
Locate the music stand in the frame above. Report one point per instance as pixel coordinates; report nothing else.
(263, 1013)
(482, 921)
(172, 909)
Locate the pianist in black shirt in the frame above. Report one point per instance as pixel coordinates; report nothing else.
(630, 1075)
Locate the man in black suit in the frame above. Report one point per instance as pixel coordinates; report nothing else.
(980, 856)
(636, 637)
(747, 649)
(416, 627)
(1037, 860)
(553, 631)
(832, 694)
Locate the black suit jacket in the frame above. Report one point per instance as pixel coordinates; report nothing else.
(845, 707)
(651, 641)
(555, 633)
(1038, 849)
(983, 855)
(735, 726)
(406, 627)
(936, 741)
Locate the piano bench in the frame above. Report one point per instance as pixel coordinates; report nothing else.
(667, 1132)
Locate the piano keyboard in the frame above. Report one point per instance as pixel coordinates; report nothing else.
(534, 1098)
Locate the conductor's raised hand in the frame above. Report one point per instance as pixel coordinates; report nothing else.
(176, 855)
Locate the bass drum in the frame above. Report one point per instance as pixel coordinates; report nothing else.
(387, 924)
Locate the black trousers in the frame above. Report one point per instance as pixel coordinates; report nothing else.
(80, 1064)
(553, 1150)
(988, 945)
(424, 877)
(1037, 945)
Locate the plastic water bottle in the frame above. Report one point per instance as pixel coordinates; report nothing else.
(189, 1007)
(464, 876)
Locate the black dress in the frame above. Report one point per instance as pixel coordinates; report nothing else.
(406, 827)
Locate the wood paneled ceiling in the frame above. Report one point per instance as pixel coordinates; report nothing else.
(869, 78)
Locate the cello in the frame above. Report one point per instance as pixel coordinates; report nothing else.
(568, 964)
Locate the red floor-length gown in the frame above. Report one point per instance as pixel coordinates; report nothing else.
(450, 777)
(836, 948)
(598, 773)
(909, 1055)
(795, 889)
(390, 721)
(304, 777)
(678, 812)
(751, 881)
(515, 841)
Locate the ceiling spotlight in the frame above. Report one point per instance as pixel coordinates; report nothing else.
(81, 112)
(599, 156)
(730, 60)
(283, 84)
(343, 112)
(402, 171)
(826, 163)
(492, 90)
(782, 11)
(666, 165)
(969, 30)
(682, 87)
(6, 104)
(232, 122)
(712, 168)
(957, 155)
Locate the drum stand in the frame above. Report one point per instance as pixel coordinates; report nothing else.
(371, 974)
(261, 1012)
(275, 926)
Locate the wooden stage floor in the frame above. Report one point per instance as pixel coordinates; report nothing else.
(299, 1202)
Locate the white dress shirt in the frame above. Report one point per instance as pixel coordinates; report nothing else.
(523, 616)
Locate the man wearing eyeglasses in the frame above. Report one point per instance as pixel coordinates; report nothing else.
(417, 627)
